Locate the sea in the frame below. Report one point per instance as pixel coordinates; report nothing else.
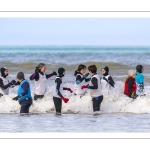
(119, 113)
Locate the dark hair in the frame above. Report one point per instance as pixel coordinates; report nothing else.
(92, 68)
(139, 68)
(20, 75)
(40, 65)
(80, 67)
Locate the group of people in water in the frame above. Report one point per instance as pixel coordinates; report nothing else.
(133, 85)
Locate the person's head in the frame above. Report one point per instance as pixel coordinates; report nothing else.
(105, 70)
(42, 67)
(92, 70)
(4, 72)
(132, 73)
(61, 72)
(81, 69)
(20, 76)
(140, 68)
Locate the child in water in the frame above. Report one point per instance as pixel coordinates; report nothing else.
(4, 82)
(58, 91)
(24, 93)
(80, 80)
(140, 80)
(106, 80)
(130, 85)
(95, 89)
(40, 78)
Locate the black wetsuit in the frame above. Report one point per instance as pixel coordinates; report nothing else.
(57, 100)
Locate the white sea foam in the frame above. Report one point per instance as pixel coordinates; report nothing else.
(115, 101)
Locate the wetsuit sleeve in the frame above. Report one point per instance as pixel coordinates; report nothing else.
(34, 76)
(17, 83)
(49, 75)
(111, 81)
(95, 83)
(2, 86)
(79, 79)
(130, 84)
(25, 87)
(58, 83)
(87, 79)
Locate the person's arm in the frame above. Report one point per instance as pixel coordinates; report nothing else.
(2, 86)
(50, 75)
(35, 76)
(87, 79)
(58, 83)
(111, 81)
(25, 87)
(95, 83)
(130, 84)
(79, 79)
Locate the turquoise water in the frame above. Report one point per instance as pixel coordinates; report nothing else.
(73, 49)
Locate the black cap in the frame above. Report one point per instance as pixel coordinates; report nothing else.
(2, 72)
(60, 72)
(20, 76)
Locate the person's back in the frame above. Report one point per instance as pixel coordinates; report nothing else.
(140, 80)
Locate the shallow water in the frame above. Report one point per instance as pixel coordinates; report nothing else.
(115, 122)
(119, 114)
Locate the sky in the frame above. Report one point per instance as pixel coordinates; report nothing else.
(75, 31)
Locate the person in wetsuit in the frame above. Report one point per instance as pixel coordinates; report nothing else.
(140, 80)
(130, 85)
(58, 91)
(80, 80)
(106, 80)
(4, 82)
(24, 93)
(40, 78)
(95, 88)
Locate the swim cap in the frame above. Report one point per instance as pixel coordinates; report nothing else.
(2, 72)
(106, 69)
(60, 71)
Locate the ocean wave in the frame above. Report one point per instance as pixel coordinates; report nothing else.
(115, 102)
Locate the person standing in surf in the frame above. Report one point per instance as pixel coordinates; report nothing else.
(40, 78)
(58, 91)
(140, 80)
(80, 80)
(106, 80)
(130, 84)
(95, 89)
(4, 82)
(24, 93)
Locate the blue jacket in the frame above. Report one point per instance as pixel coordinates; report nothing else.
(139, 78)
(21, 91)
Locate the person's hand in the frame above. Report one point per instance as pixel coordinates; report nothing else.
(1, 94)
(86, 75)
(13, 82)
(54, 73)
(16, 98)
(134, 95)
(68, 89)
(65, 99)
(84, 87)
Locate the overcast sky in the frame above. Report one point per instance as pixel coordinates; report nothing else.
(75, 31)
